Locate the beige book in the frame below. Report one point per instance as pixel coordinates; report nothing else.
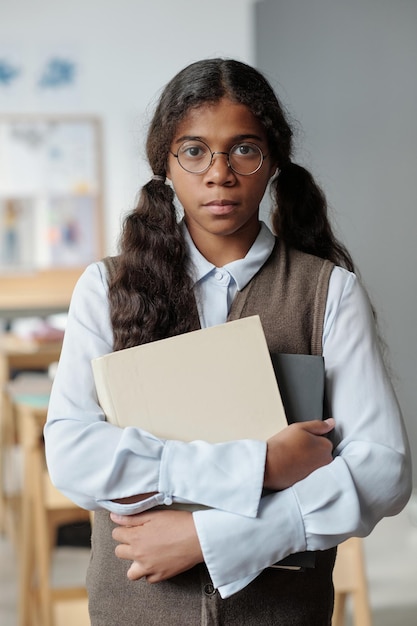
(214, 384)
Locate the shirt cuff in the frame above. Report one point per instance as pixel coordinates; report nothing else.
(134, 508)
(237, 548)
(333, 502)
(226, 476)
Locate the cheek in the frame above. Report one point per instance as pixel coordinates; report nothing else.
(257, 192)
(184, 189)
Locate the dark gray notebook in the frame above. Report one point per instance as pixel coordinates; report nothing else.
(301, 383)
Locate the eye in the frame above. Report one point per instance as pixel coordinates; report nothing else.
(193, 150)
(249, 150)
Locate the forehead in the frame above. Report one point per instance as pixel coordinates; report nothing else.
(221, 121)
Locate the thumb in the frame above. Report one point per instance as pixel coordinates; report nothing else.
(328, 425)
(320, 427)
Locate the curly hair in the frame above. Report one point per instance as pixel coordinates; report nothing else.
(151, 292)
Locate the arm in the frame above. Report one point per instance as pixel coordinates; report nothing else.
(98, 465)
(369, 478)
(162, 544)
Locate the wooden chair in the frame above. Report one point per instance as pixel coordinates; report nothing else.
(22, 355)
(44, 508)
(349, 579)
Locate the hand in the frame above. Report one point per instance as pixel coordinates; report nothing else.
(295, 452)
(161, 544)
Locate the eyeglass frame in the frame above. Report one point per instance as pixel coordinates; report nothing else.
(227, 154)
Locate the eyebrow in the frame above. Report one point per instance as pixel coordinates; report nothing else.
(235, 139)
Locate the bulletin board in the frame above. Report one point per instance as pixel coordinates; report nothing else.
(50, 205)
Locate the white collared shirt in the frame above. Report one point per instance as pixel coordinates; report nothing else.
(94, 462)
(215, 287)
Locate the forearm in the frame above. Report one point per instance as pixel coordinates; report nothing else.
(236, 547)
(333, 503)
(370, 477)
(96, 464)
(84, 457)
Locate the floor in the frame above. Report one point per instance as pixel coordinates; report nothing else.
(391, 560)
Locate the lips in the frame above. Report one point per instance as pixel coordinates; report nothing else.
(220, 203)
(220, 207)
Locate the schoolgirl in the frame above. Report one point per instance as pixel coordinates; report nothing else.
(218, 139)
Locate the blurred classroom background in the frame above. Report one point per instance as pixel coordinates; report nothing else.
(77, 84)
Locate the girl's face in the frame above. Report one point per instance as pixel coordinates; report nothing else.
(221, 207)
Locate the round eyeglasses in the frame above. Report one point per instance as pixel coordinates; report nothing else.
(195, 157)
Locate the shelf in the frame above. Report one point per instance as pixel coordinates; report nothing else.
(44, 290)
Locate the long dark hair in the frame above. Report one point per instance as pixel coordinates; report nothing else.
(151, 292)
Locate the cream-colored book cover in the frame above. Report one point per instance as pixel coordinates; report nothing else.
(214, 384)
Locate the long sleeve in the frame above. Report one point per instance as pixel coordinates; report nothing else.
(95, 463)
(369, 478)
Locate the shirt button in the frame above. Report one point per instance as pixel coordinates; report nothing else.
(167, 501)
(218, 275)
(209, 589)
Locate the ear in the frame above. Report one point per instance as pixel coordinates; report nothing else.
(273, 170)
(168, 171)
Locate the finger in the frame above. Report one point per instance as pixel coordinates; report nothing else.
(120, 534)
(131, 520)
(123, 534)
(124, 551)
(319, 427)
(135, 571)
(123, 520)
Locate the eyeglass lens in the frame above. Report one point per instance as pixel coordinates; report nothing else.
(196, 157)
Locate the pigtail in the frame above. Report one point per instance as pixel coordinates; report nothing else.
(150, 292)
(300, 217)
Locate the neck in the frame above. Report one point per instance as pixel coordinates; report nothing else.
(223, 249)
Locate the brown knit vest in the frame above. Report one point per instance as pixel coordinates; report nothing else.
(289, 294)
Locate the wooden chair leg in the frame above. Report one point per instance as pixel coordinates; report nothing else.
(350, 581)
(43, 546)
(339, 610)
(43, 510)
(26, 551)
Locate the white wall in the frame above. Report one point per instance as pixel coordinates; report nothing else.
(347, 71)
(126, 51)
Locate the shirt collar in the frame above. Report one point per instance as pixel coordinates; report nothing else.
(242, 270)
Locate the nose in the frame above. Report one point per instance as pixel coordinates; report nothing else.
(219, 171)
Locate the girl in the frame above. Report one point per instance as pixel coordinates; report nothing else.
(218, 137)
